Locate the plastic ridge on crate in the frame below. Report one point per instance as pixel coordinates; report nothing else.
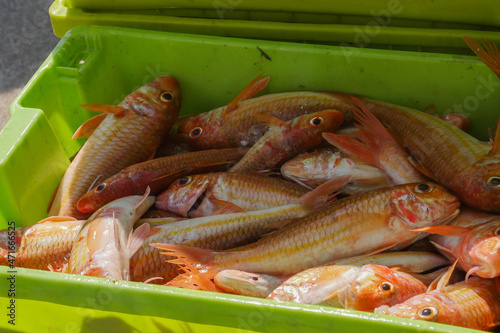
(417, 25)
(95, 64)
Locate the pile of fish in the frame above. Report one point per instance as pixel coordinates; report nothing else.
(311, 197)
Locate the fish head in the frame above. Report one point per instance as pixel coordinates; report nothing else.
(111, 189)
(435, 307)
(374, 286)
(485, 250)
(201, 131)
(321, 121)
(184, 194)
(424, 204)
(481, 185)
(159, 97)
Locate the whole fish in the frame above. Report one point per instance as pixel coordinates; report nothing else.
(473, 304)
(106, 242)
(233, 125)
(316, 167)
(377, 285)
(125, 134)
(261, 285)
(376, 146)
(157, 174)
(367, 223)
(204, 194)
(44, 245)
(217, 231)
(284, 140)
(473, 238)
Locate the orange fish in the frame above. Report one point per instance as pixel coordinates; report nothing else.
(157, 174)
(366, 223)
(204, 194)
(284, 140)
(125, 134)
(473, 304)
(44, 245)
(233, 125)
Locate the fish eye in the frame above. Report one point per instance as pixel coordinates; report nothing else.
(428, 313)
(316, 121)
(184, 181)
(310, 151)
(100, 187)
(386, 286)
(497, 232)
(195, 132)
(423, 188)
(493, 182)
(166, 96)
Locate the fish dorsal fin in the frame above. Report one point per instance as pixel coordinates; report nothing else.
(137, 237)
(106, 108)
(325, 193)
(88, 127)
(490, 54)
(248, 92)
(445, 230)
(495, 150)
(269, 120)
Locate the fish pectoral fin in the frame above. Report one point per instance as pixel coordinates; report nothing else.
(224, 207)
(88, 127)
(441, 247)
(421, 168)
(325, 193)
(137, 238)
(445, 230)
(353, 147)
(249, 91)
(269, 120)
(106, 108)
(380, 249)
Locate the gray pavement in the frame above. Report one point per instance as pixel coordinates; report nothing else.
(26, 39)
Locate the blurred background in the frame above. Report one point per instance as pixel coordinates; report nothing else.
(26, 39)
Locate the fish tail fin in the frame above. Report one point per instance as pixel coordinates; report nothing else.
(197, 264)
(490, 54)
(195, 279)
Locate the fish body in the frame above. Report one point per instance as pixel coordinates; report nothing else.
(239, 128)
(203, 194)
(106, 243)
(473, 238)
(455, 159)
(157, 174)
(45, 244)
(473, 304)
(128, 134)
(284, 140)
(377, 285)
(317, 167)
(337, 231)
(217, 231)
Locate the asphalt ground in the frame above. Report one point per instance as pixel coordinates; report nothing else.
(26, 39)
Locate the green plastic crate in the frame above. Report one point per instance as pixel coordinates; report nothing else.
(413, 25)
(95, 64)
